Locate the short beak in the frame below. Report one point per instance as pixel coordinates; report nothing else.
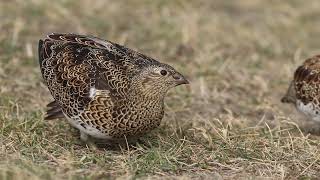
(180, 79)
(290, 96)
(288, 99)
(284, 100)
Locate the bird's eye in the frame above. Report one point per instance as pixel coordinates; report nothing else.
(163, 72)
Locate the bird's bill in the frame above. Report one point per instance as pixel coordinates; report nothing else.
(180, 79)
(290, 96)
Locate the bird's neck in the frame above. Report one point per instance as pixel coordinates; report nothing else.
(147, 94)
(146, 98)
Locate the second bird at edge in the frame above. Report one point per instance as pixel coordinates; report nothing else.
(304, 89)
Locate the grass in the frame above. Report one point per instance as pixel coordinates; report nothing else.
(228, 123)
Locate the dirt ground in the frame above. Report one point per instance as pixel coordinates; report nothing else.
(229, 123)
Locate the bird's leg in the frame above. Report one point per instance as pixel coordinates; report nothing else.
(86, 139)
(143, 143)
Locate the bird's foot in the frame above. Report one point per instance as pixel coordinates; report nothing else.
(87, 140)
(143, 143)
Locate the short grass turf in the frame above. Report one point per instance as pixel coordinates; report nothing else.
(228, 123)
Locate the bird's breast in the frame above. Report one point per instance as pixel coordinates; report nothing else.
(136, 118)
(310, 109)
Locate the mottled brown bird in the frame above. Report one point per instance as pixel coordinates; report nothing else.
(105, 90)
(304, 89)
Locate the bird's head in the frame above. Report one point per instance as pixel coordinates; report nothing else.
(155, 80)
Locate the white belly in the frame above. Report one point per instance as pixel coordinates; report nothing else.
(89, 130)
(309, 110)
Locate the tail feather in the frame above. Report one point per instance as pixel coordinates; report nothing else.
(54, 116)
(55, 112)
(53, 104)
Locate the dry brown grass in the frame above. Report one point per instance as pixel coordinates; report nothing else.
(229, 123)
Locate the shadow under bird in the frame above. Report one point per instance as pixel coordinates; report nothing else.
(304, 89)
(105, 90)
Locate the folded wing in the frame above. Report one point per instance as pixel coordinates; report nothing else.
(74, 65)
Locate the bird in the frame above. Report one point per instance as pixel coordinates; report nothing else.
(304, 90)
(105, 90)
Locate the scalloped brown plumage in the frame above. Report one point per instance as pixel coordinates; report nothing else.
(304, 90)
(105, 90)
